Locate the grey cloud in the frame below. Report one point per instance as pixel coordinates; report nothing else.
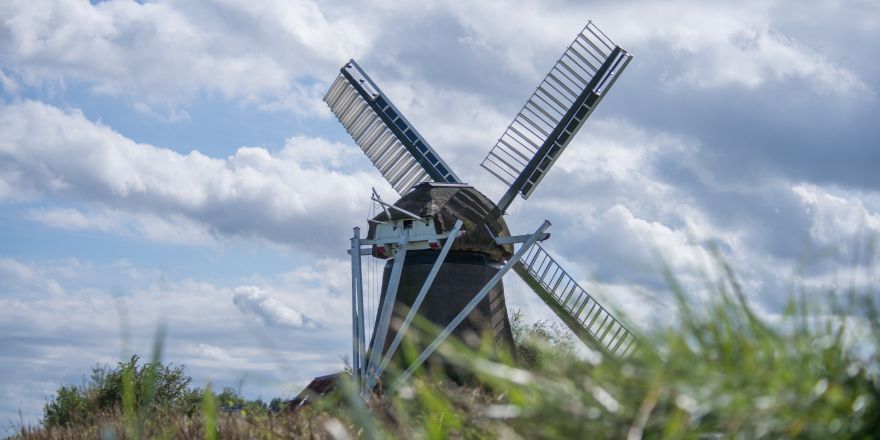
(768, 131)
(625, 202)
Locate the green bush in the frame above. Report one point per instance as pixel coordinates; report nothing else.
(541, 341)
(165, 387)
(70, 406)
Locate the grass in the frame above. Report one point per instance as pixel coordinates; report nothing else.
(720, 372)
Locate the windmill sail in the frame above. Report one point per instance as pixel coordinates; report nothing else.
(591, 322)
(390, 141)
(555, 112)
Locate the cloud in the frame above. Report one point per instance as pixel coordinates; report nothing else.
(837, 221)
(49, 337)
(258, 304)
(69, 218)
(754, 57)
(168, 115)
(170, 53)
(310, 186)
(626, 201)
(735, 45)
(278, 55)
(19, 278)
(8, 85)
(712, 45)
(168, 228)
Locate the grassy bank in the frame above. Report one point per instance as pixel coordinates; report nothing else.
(719, 371)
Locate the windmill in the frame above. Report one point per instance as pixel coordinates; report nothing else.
(447, 245)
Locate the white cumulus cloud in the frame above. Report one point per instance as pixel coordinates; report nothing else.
(310, 186)
(837, 220)
(168, 53)
(257, 303)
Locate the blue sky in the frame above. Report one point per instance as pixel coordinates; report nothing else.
(171, 162)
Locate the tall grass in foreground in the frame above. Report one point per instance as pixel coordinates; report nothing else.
(719, 371)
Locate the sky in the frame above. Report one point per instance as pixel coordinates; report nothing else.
(170, 164)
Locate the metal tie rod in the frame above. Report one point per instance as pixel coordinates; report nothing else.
(388, 205)
(378, 199)
(384, 317)
(417, 303)
(517, 238)
(469, 307)
(357, 309)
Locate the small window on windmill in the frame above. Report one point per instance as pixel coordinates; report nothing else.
(407, 224)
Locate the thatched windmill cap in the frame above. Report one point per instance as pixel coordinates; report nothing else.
(446, 202)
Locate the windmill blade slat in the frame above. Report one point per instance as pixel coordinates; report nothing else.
(356, 110)
(592, 50)
(381, 150)
(601, 38)
(572, 89)
(347, 102)
(531, 126)
(547, 117)
(366, 135)
(515, 135)
(586, 69)
(557, 106)
(561, 83)
(416, 178)
(334, 92)
(379, 144)
(507, 180)
(569, 300)
(389, 152)
(386, 137)
(520, 157)
(538, 123)
(589, 312)
(395, 166)
(360, 126)
(583, 60)
(403, 171)
(615, 340)
(386, 165)
(553, 88)
(572, 71)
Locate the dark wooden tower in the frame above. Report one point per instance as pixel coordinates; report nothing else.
(473, 260)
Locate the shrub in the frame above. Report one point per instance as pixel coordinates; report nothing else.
(165, 387)
(540, 342)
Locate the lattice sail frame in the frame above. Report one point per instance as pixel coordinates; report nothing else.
(391, 142)
(589, 320)
(555, 112)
